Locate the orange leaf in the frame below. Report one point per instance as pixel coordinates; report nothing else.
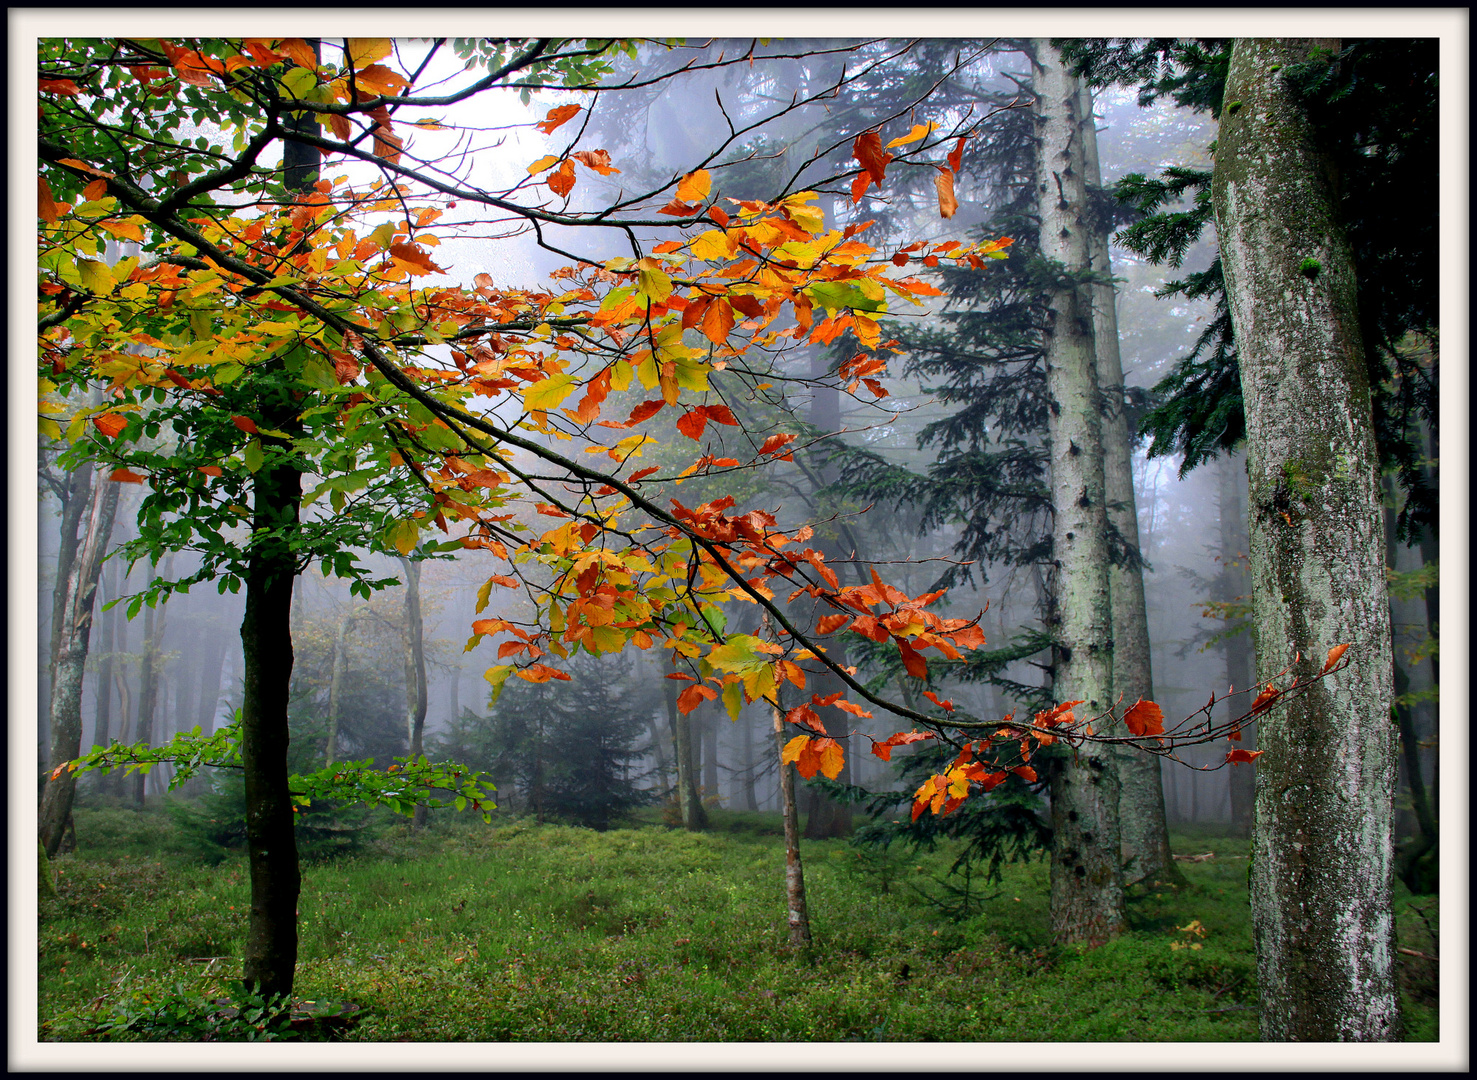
(1264, 700)
(245, 423)
(46, 205)
(541, 673)
(717, 321)
(95, 190)
(595, 394)
(1026, 773)
(1334, 655)
(504, 580)
(831, 757)
(210, 470)
(58, 86)
(413, 259)
(775, 443)
(596, 160)
(1145, 718)
(793, 749)
(110, 424)
(827, 623)
(695, 186)
(556, 116)
(561, 180)
(300, 52)
(694, 696)
(944, 181)
(1241, 757)
(859, 186)
(126, 477)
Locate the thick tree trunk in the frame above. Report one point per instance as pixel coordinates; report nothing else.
(1323, 849)
(415, 669)
(1086, 875)
(77, 590)
(1144, 833)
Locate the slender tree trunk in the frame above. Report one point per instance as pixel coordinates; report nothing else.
(148, 688)
(102, 718)
(710, 756)
(796, 912)
(340, 672)
(1323, 849)
(1143, 830)
(415, 664)
(1240, 655)
(1086, 875)
(746, 781)
(270, 960)
(694, 814)
(69, 657)
(212, 663)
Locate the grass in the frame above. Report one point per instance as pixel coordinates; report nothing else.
(522, 932)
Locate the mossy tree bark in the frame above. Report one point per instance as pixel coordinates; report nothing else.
(689, 804)
(1086, 874)
(1323, 844)
(1143, 830)
(416, 692)
(96, 506)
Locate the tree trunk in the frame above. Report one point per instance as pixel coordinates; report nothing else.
(746, 778)
(77, 590)
(415, 666)
(1086, 875)
(1323, 849)
(148, 688)
(796, 913)
(270, 959)
(102, 719)
(336, 686)
(694, 814)
(1231, 586)
(212, 663)
(1144, 833)
(711, 792)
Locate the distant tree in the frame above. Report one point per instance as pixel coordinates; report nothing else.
(567, 750)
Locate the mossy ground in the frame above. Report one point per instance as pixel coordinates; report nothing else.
(521, 932)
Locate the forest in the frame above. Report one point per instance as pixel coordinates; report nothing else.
(762, 540)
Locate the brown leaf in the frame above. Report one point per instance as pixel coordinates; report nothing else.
(1145, 718)
(944, 181)
(867, 149)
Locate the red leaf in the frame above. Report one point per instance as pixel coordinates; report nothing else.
(720, 414)
(1334, 655)
(859, 186)
(868, 150)
(915, 663)
(775, 443)
(956, 156)
(126, 477)
(110, 424)
(694, 696)
(639, 473)
(1145, 718)
(595, 394)
(1264, 700)
(827, 623)
(58, 86)
(1025, 772)
(45, 204)
(245, 423)
(556, 116)
(211, 470)
(692, 423)
(678, 208)
(561, 180)
(947, 706)
(679, 676)
(1241, 757)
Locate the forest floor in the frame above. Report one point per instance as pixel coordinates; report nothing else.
(517, 932)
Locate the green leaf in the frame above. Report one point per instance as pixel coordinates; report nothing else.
(843, 294)
(253, 455)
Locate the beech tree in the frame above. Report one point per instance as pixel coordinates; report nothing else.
(1322, 863)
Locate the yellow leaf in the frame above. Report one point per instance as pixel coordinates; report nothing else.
(546, 395)
(793, 749)
(545, 162)
(362, 52)
(96, 277)
(920, 131)
(695, 186)
(713, 246)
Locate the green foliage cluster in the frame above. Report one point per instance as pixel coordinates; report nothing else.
(529, 933)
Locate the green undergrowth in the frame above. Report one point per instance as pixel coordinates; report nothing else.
(517, 932)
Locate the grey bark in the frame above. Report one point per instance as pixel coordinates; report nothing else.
(1144, 833)
(1086, 875)
(340, 672)
(1323, 846)
(78, 590)
(797, 914)
(694, 814)
(415, 668)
